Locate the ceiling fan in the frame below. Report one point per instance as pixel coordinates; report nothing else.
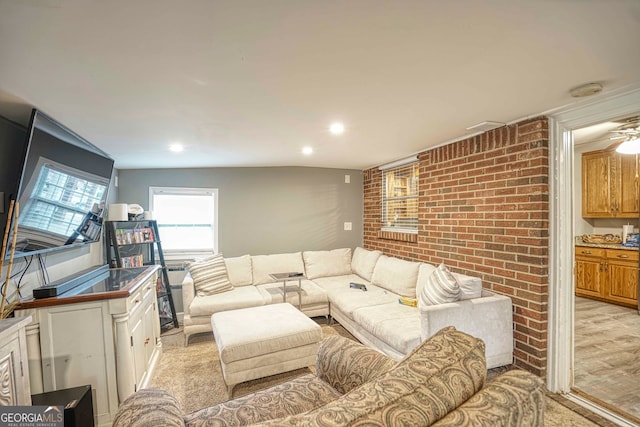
(628, 136)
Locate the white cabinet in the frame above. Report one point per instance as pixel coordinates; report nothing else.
(14, 370)
(112, 343)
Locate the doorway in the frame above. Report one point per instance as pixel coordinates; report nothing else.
(606, 362)
(562, 301)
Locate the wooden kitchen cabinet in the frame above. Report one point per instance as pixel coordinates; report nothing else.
(609, 275)
(609, 185)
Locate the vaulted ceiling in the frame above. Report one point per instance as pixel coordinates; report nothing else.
(250, 83)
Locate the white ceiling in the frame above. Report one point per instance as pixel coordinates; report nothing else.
(249, 83)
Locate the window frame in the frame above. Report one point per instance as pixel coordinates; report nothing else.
(182, 254)
(395, 167)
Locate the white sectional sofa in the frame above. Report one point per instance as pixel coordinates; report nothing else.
(374, 316)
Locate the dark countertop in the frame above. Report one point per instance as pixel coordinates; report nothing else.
(116, 283)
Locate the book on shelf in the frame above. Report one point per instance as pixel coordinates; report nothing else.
(130, 236)
(133, 261)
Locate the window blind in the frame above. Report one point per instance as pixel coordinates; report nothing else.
(400, 198)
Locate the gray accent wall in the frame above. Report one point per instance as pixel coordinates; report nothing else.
(269, 209)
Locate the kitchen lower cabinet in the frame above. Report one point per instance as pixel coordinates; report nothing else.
(609, 275)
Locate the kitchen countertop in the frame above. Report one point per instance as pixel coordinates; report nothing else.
(579, 242)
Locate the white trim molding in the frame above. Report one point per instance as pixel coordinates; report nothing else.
(560, 354)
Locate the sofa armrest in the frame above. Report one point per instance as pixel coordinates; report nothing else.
(149, 407)
(188, 292)
(345, 364)
(515, 398)
(489, 318)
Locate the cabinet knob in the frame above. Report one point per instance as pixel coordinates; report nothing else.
(586, 252)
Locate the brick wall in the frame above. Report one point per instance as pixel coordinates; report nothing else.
(483, 211)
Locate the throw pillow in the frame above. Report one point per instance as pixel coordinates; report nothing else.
(470, 287)
(210, 275)
(441, 287)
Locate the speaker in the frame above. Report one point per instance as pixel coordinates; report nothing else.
(77, 403)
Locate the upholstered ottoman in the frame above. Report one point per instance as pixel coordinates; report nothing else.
(266, 340)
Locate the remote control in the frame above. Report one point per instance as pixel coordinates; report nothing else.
(357, 286)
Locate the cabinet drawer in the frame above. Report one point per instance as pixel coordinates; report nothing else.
(591, 252)
(622, 255)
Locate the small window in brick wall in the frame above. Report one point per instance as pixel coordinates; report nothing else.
(400, 198)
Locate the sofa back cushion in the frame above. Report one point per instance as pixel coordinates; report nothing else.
(363, 262)
(434, 379)
(263, 265)
(239, 270)
(396, 275)
(336, 262)
(470, 287)
(210, 275)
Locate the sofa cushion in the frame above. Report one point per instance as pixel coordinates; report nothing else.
(348, 300)
(396, 275)
(264, 265)
(292, 397)
(424, 272)
(337, 283)
(441, 287)
(240, 297)
(434, 379)
(395, 324)
(239, 270)
(210, 275)
(336, 262)
(470, 287)
(364, 261)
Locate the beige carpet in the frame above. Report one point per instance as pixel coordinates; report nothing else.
(192, 374)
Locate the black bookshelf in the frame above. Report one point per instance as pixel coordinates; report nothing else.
(132, 244)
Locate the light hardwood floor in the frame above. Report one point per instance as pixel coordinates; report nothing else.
(607, 354)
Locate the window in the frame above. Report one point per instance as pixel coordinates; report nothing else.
(187, 220)
(400, 198)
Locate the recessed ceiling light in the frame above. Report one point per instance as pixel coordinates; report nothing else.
(336, 128)
(307, 151)
(176, 148)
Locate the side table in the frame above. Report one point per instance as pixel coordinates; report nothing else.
(289, 277)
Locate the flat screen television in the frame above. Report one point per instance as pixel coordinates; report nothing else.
(62, 192)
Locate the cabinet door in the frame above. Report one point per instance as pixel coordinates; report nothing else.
(628, 187)
(596, 184)
(589, 276)
(139, 355)
(10, 373)
(623, 277)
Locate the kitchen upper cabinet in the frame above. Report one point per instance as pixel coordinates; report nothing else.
(609, 185)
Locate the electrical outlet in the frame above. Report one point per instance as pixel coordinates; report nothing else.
(347, 226)
(347, 179)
